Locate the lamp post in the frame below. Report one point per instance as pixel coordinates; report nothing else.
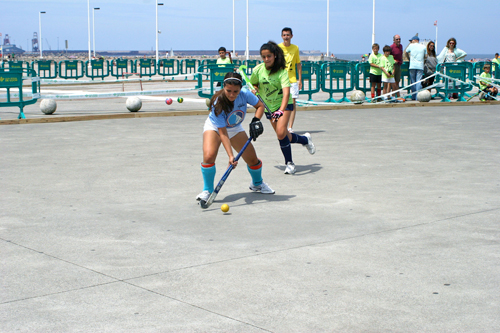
(234, 48)
(88, 25)
(40, 30)
(248, 50)
(373, 27)
(328, 28)
(93, 27)
(157, 31)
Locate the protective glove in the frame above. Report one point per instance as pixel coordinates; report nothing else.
(256, 128)
(276, 115)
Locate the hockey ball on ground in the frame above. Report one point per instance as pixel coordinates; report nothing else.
(224, 208)
(180, 99)
(168, 101)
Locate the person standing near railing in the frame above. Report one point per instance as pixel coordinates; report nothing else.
(397, 54)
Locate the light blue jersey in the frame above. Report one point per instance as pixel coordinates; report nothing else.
(237, 115)
(417, 53)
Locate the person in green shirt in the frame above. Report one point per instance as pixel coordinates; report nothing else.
(271, 79)
(485, 85)
(387, 67)
(496, 62)
(375, 70)
(223, 60)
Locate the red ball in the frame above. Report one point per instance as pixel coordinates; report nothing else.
(168, 101)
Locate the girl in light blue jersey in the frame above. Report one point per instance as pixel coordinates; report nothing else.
(223, 126)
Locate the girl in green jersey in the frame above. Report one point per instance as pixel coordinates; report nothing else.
(271, 79)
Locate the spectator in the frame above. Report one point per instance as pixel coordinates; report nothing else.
(495, 61)
(375, 71)
(387, 64)
(417, 53)
(397, 54)
(430, 65)
(451, 53)
(489, 91)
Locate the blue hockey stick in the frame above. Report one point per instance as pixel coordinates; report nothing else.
(205, 204)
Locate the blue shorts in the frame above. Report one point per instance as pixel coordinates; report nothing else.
(289, 107)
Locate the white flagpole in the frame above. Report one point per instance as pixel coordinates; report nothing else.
(234, 43)
(373, 28)
(436, 43)
(248, 50)
(328, 28)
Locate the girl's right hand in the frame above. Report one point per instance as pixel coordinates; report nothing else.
(233, 162)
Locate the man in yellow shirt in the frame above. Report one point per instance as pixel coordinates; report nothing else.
(292, 58)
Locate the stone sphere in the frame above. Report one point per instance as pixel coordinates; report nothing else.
(48, 106)
(134, 104)
(424, 96)
(357, 96)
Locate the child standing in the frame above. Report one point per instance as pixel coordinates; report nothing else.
(485, 85)
(375, 70)
(271, 79)
(223, 60)
(387, 66)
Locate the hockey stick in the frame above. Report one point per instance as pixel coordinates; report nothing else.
(242, 69)
(468, 99)
(205, 204)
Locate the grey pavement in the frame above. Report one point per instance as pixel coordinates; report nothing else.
(392, 226)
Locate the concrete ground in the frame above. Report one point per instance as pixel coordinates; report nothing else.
(392, 226)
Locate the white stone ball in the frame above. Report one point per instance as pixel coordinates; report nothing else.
(48, 106)
(357, 96)
(134, 104)
(424, 96)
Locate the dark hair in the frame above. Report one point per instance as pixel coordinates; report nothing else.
(219, 101)
(376, 46)
(279, 61)
(496, 54)
(387, 48)
(431, 53)
(451, 40)
(287, 29)
(222, 48)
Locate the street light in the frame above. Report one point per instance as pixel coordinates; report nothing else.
(234, 43)
(88, 25)
(40, 30)
(247, 50)
(93, 27)
(327, 28)
(157, 31)
(373, 27)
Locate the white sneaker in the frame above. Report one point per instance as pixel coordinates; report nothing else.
(203, 196)
(290, 130)
(290, 168)
(262, 188)
(310, 145)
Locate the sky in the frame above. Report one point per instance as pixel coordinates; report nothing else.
(208, 24)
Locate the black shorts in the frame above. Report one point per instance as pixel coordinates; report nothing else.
(375, 78)
(289, 107)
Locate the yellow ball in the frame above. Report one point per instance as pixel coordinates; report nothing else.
(207, 101)
(224, 208)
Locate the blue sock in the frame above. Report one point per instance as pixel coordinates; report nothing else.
(299, 139)
(286, 149)
(256, 173)
(208, 172)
